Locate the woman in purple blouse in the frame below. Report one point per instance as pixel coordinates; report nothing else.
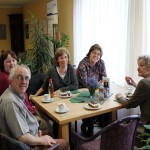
(92, 65)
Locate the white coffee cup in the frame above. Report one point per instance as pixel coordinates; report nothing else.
(47, 98)
(61, 107)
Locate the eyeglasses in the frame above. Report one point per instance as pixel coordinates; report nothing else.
(98, 54)
(21, 78)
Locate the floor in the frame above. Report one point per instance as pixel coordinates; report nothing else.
(79, 122)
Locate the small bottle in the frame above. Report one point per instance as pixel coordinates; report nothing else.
(51, 88)
(101, 91)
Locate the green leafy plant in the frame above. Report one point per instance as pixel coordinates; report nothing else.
(41, 54)
(145, 139)
(61, 40)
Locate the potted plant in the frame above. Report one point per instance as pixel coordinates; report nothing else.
(40, 56)
(145, 139)
(92, 85)
(60, 40)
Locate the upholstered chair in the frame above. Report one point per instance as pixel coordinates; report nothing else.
(119, 135)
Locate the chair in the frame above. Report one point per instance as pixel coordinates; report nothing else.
(35, 83)
(7, 143)
(119, 135)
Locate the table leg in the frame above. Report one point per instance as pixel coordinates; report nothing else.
(114, 115)
(64, 132)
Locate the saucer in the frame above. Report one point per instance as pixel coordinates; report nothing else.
(67, 94)
(91, 108)
(60, 112)
(45, 101)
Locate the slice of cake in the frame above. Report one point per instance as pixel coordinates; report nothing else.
(66, 93)
(93, 104)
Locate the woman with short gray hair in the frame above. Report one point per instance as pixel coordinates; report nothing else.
(141, 96)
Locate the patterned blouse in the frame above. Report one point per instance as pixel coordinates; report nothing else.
(85, 71)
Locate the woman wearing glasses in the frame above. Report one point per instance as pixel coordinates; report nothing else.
(89, 66)
(8, 60)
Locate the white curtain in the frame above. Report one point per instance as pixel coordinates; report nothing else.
(121, 28)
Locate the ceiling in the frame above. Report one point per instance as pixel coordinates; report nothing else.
(13, 3)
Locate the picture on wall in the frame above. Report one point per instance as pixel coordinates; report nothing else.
(2, 31)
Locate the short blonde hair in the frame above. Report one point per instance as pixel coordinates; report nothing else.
(59, 52)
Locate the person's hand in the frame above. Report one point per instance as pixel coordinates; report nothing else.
(47, 140)
(33, 107)
(118, 96)
(130, 81)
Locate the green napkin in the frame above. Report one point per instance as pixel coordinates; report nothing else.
(83, 97)
(74, 92)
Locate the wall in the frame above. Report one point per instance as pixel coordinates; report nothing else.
(4, 19)
(39, 9)
(65, 13)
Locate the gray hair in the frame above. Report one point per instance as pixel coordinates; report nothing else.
(146, 59)
(13, 70)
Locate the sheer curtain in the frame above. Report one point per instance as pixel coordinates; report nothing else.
(103, 22)
(121, 28)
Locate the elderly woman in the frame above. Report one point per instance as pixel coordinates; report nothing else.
(8, 60)
(92, 65)
(62, 74)
(141, 96)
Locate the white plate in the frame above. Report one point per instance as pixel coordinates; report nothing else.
(60, 112)
(43, 101)
(65, 96)
(91, 108)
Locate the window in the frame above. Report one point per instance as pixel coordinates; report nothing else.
(121, 28)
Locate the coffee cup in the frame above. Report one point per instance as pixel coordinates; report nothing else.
(61, 107)
(47, 98)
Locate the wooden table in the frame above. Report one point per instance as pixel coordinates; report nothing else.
(77, 110)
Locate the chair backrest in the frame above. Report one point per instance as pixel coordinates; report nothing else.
(35, 83)
(120, 135)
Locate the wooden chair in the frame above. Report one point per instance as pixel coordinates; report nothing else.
(119, 135)
(7, 143)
